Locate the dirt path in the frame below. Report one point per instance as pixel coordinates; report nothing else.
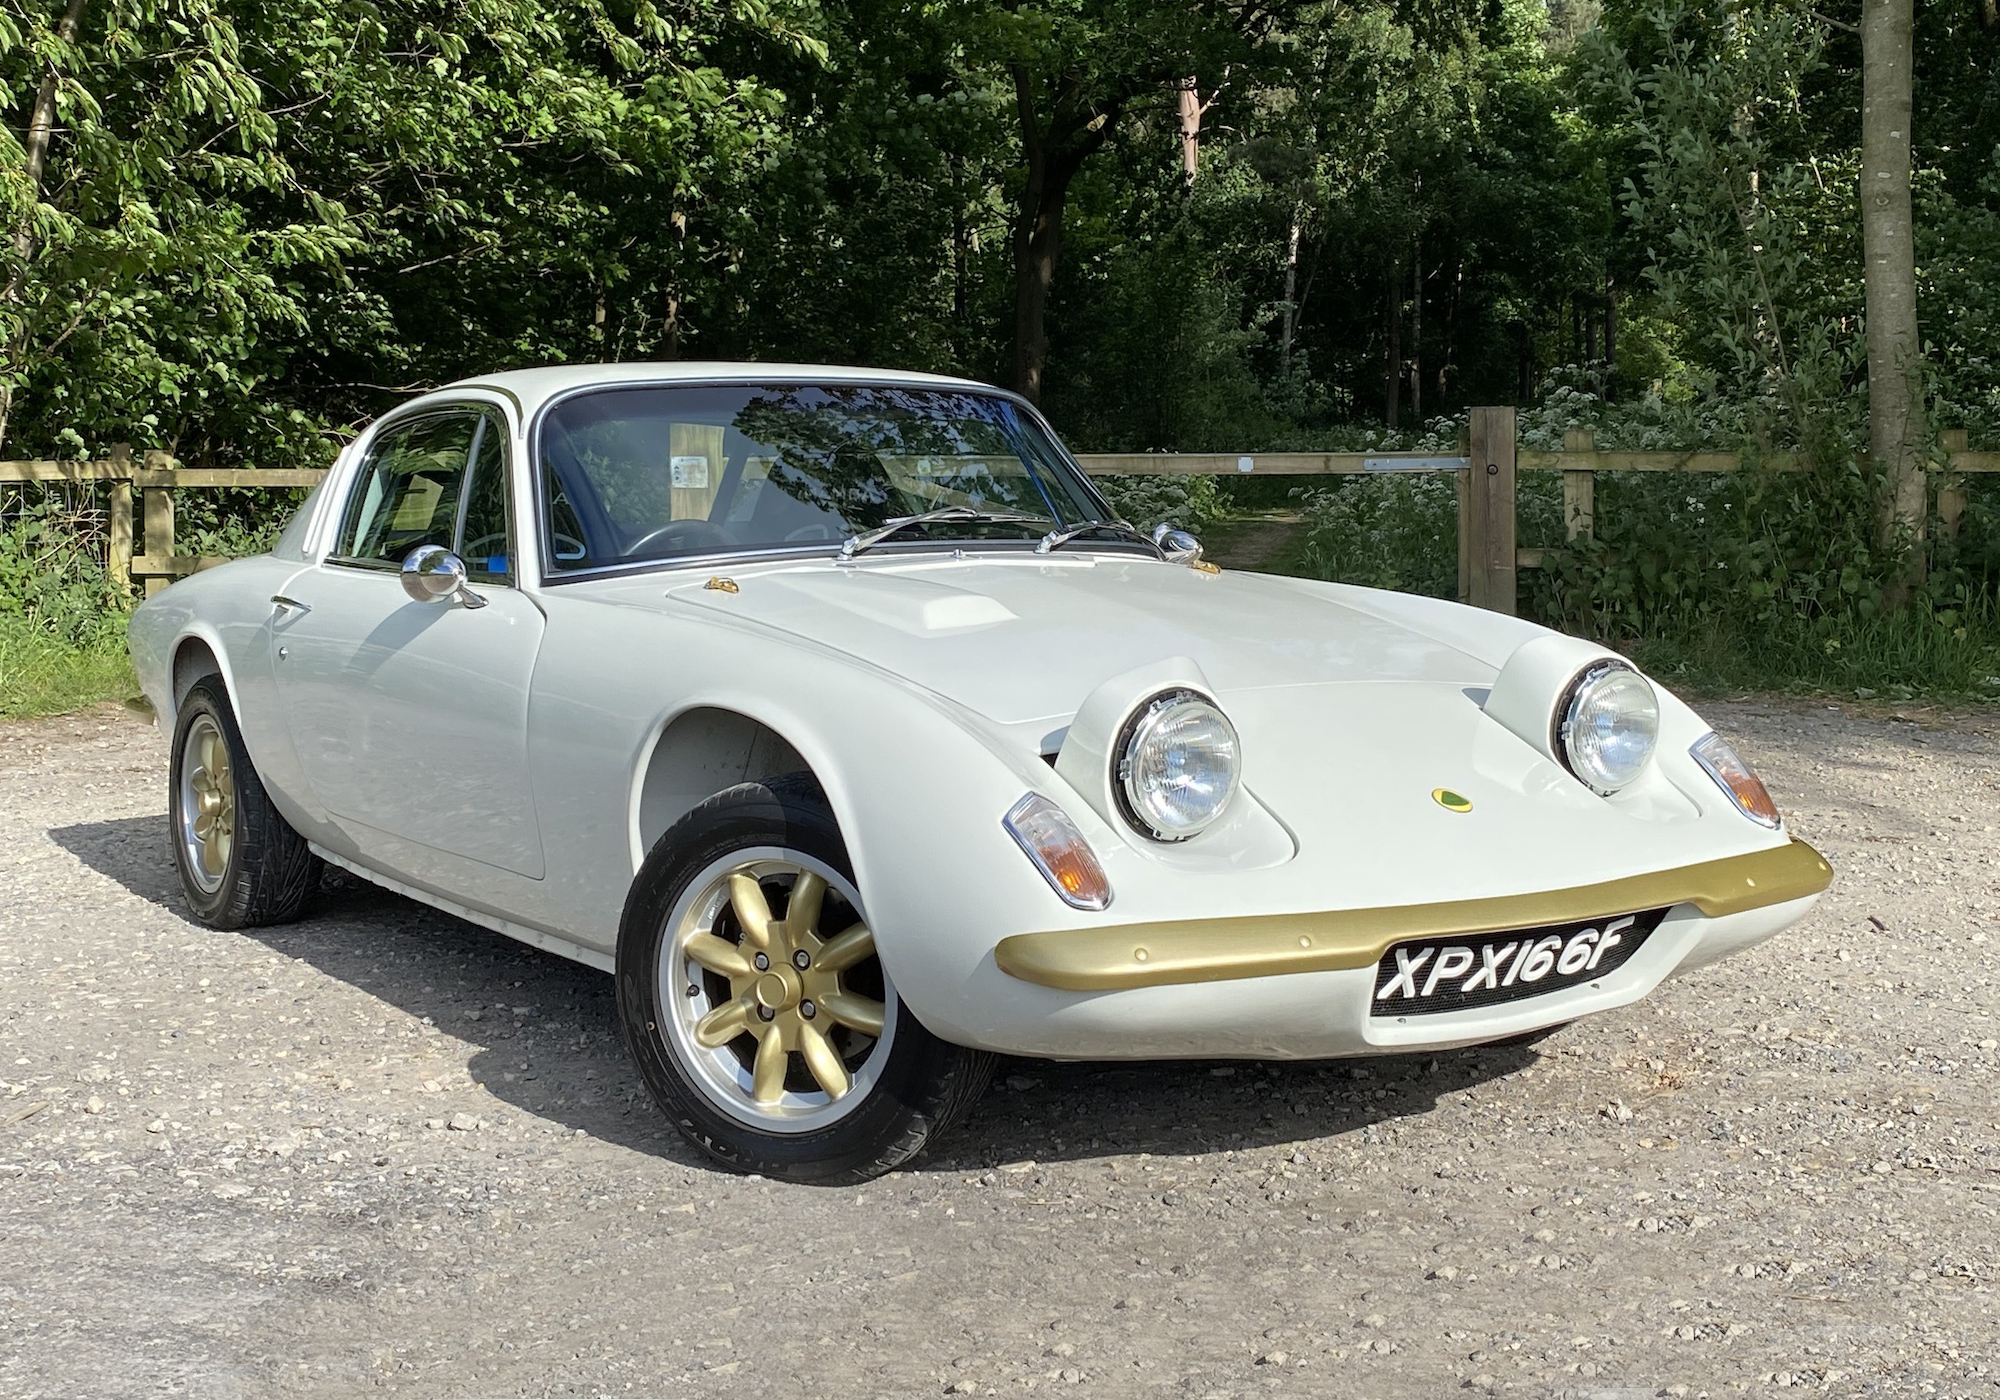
(1259, 541)
(384, 1152)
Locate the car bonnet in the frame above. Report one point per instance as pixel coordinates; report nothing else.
(1021, 637)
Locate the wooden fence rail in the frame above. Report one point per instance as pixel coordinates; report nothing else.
(1486, 470)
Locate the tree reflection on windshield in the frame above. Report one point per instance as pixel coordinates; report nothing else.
(659, 472)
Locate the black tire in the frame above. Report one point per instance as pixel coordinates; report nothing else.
(266, 873)
(914, 1089)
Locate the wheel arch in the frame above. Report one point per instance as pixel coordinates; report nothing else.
(696, 752)
(196, 653)
(916, 790)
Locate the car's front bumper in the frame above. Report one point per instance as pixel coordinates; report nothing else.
(1303, 987)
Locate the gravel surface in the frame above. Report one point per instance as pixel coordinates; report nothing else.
(385, 1151)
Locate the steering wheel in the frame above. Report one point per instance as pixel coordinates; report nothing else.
(678, 535)
(568, 547)
(818, 530)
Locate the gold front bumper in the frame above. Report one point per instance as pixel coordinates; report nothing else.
(1270, 945)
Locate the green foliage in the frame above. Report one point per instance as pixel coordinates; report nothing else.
(1187, 385)
(62, 627)
(1919, 651)
(1190, 502)
(1394, 531)
(252, 219)
(52, 577)
(41, 674)
(259, 226)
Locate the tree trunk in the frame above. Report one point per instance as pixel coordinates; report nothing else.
(670, 340)
(1289, 326)
(1191, 109)
(1610, 334)
(961, 256)
(1053, 157)
(1393, 351)
(1417, 334)
(1037, 246)
(1895, 371)
(41, 124)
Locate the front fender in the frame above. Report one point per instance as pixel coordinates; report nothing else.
(918, 784)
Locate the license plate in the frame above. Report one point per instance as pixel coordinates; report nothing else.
(1430, 976)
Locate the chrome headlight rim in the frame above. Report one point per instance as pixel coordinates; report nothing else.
(1144, 723)
(1563, 737)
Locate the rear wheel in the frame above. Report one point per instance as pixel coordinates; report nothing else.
(753, 999)
(241, 863)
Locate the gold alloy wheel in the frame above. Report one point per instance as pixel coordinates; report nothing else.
(208, 803)
(784, 1015)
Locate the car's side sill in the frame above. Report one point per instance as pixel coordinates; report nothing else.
(534, 937)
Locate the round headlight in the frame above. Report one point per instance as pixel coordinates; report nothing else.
(1606, 726)
(1179, 765)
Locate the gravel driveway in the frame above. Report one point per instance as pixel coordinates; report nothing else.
(384, 1151)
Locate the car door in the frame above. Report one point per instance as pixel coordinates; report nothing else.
(410, 718)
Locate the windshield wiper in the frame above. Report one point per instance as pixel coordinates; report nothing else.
(1056, 539)
(868, 539)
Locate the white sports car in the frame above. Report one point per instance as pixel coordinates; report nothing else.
(834, 713)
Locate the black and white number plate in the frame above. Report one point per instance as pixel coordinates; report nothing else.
(1432, 975)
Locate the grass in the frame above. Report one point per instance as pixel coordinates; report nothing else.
(1907, 655)
(40, 674)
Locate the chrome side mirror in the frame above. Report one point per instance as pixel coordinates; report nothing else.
(1176, 544)
(433, 574)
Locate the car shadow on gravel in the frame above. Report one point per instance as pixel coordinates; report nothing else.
(543, 1038)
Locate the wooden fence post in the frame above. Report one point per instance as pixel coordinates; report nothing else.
(1467, 545)
(158, 503)
(1490, 502)
(1579, 489)
(1951, 486)
(118, 543)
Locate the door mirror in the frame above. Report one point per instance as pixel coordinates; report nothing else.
(433, 574)
(1178, 545)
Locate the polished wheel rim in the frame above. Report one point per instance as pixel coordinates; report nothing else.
(773, 993)
(208, 804)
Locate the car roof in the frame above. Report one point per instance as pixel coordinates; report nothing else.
(534, 387)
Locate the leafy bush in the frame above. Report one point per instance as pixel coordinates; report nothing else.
(1398, 531)
(52, 574)
(231, 523)
(1758, 578)
(1191, 502)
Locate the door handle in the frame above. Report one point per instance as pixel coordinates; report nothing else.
(292, 604)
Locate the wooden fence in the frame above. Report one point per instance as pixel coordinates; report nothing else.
(156, 476)
(1487, 472)
(1489, 557)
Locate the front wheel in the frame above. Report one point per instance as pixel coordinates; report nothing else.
(752, 997)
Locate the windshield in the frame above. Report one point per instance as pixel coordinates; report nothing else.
(629, 475)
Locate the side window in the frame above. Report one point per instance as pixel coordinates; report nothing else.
(408, 491)
(485, 543)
